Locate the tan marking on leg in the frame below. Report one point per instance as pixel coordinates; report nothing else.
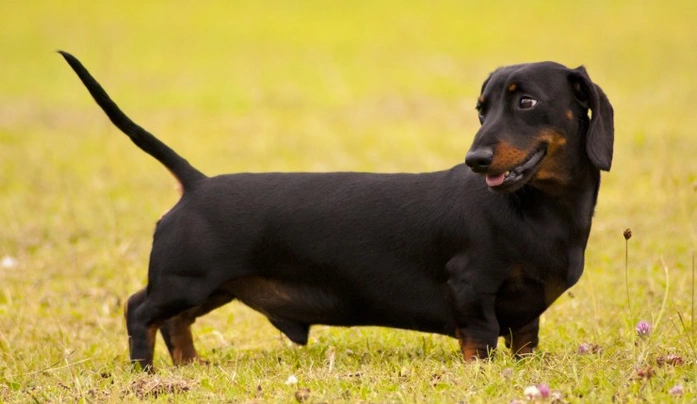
(522, 342)
(471, 350)
(521, 346)
(150, 336)
(182, 341)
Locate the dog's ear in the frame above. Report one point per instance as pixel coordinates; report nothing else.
(601, 131)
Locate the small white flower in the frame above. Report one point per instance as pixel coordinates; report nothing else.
(9, 262)
(291, 380)
(531, 392)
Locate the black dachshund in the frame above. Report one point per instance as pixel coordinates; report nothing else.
(472, 252)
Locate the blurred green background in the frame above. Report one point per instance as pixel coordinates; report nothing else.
(312, 86)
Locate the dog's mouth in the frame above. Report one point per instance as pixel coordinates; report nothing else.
(516, 177)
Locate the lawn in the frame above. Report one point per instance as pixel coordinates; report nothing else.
(312, 86)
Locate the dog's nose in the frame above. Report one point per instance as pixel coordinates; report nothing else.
(479, 159)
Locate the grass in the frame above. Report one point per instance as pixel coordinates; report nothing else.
(305, 85)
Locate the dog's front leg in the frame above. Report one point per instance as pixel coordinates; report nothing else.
(477, 329)
(473, 298)
(523, 340)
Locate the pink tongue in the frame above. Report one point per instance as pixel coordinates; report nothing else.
(494, 180)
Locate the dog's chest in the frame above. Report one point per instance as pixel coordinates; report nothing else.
(522, 298)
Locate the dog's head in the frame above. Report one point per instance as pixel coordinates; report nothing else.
(536, 128)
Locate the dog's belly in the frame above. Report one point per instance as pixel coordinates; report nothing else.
(294, 306)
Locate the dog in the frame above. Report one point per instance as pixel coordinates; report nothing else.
(475, 252)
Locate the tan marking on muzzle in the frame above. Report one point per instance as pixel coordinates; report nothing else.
(553, 170)
(506, 157)
(554, 140)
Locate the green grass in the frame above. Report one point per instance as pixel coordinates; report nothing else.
(313, 86)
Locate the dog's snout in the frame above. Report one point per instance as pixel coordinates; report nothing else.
(479, 159)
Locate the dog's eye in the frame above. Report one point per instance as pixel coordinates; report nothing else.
(527, 103)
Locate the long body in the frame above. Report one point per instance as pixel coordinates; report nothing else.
(405, 228)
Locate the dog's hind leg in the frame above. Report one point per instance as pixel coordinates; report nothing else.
(176, 331)
(141, 336)
(163, 299)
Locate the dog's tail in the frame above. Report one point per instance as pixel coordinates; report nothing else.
(187, 175)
